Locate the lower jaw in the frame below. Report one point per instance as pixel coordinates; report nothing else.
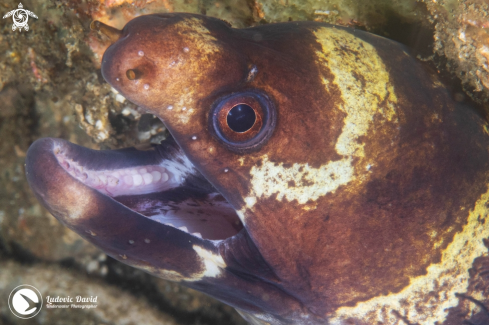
(127, 228)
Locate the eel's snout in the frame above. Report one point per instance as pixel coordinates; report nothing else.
(119, 231)
(140, 62)
(160, 60)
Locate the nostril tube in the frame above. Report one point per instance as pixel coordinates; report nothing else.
(133, 74)
(112, 33)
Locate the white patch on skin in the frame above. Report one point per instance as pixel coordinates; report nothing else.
(250, 200)
(179, 170)
(241, 215)
(256, 319)
(362, 99)
(212, 266)
(193, 30)
(74, 193)
(164, 274)
(241, 161)
(186, 102)
(193, 64)
(213, 263)
(269, 179)
(452, 274)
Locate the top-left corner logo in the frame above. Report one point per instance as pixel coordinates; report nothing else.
(20, 17)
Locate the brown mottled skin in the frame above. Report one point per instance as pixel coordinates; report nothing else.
(365, 239)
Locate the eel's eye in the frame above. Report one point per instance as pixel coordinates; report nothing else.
(243, 121)
(241, 118)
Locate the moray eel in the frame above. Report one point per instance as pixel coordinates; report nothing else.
(315, 175)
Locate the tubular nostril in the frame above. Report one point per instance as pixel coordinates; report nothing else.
(112, 33)
(133, 74)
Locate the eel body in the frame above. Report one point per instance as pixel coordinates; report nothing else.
(315, 175)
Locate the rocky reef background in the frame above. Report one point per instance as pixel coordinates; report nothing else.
(50, 85)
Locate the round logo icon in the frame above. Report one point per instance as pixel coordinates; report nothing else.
(25, 301)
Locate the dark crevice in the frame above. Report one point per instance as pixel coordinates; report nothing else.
(69, 264)
(21, 255)
(438, 65)
(121, 123)
(417, 35)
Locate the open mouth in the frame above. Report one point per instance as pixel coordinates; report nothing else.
(160, 184)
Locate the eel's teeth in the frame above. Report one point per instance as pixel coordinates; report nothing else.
(103, 179)
(112, 181)
(137, 179)
(156, 175)
(197, 234)
(124, 181)
(128, 180)
(165, 177)
(147, 178)
(183, 228)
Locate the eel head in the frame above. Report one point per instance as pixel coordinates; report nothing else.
(315, 174)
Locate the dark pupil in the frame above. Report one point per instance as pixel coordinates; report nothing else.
(241, 118)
